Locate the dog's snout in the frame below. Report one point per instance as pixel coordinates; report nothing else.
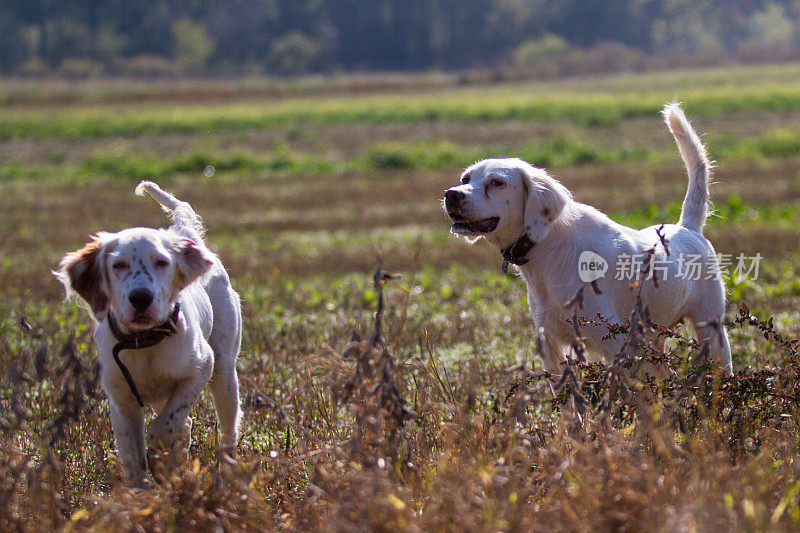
(141, 299)
(453, 197)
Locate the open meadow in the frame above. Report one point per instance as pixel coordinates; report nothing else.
(445, 421)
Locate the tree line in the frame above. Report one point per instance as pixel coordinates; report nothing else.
(286, 37)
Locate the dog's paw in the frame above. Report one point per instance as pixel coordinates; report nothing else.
(142, 483)
(228, 443)
(161, 435)
(132, 472)
(166, 434)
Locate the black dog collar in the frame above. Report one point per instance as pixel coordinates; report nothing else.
(139, 340)
(517, 253)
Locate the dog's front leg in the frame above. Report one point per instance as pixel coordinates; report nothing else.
(171, 423)
(552, 355)
(127, 421)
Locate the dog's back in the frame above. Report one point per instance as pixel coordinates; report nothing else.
(225, 335)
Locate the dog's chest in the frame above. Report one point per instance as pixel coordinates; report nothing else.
(147, 368)
(542, 299)
(155, 371)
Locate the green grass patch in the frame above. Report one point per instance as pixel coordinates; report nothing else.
(497, 103)
(731, 212)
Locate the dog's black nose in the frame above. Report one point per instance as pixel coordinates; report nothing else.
(141, 299)
(453, 197)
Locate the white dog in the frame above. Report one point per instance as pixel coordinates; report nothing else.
(559, 245)
(167, 323)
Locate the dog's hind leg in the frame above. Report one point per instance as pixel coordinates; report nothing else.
(224, 388)
(226, 340)
(725, 350)
(719, 348)
(707, 315)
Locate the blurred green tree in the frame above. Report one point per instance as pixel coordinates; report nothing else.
(532, 51)
(193, 45)
(296, 36)
(295, 53)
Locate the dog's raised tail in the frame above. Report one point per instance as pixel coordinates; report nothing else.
(695, 205)
(182, 214)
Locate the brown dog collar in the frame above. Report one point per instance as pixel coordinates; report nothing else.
(517, 253)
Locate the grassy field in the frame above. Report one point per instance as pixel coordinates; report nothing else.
(306, 190)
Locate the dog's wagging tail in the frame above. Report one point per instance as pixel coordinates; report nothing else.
(695, 205)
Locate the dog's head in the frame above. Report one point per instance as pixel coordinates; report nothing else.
(136, 273)
(502, 199)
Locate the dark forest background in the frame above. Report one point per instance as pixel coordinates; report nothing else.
(290, 37)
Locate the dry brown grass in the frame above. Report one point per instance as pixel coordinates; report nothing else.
(364, 438)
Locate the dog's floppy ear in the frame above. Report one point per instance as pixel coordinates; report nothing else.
(193, 261)
(545, 200)
(82, 272)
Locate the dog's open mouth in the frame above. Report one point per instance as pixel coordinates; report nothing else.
(464, 226)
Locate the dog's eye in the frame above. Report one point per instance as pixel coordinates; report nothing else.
(119, 265)
(497, 183)
(161, 263)
(465, 179)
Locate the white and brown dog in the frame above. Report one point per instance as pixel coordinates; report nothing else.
(534, 221)
(167, 323)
